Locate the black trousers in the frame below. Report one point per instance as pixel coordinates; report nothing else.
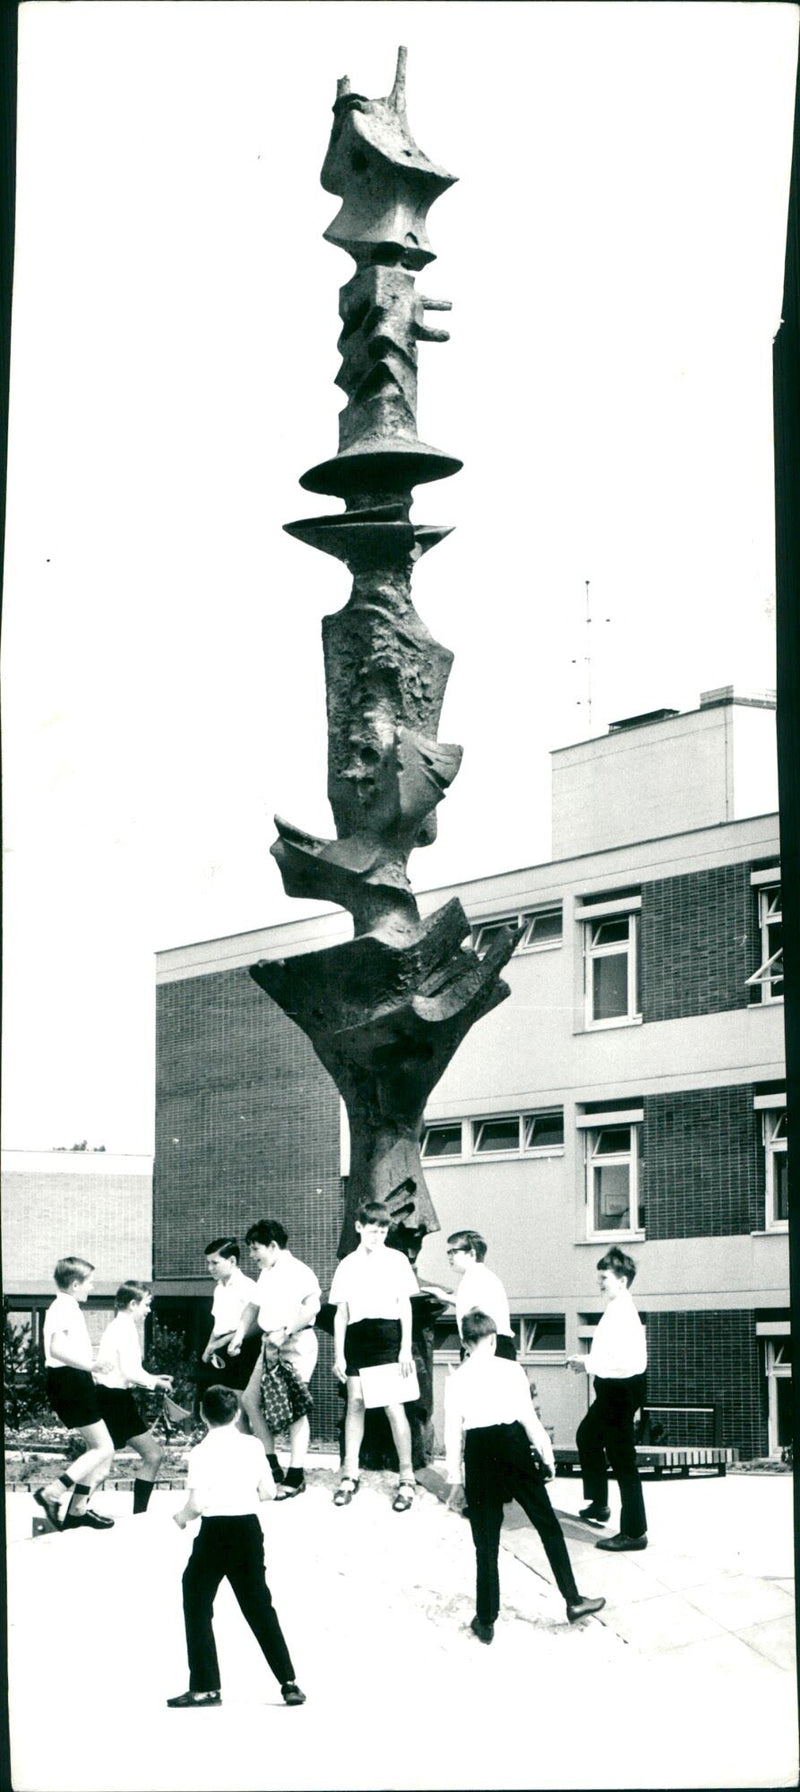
(498, 1467)
(231, 1548)
(606, 1436)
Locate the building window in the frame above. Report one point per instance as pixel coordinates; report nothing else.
(537, 1134)
(612, 1182)
(776, 1155)
(543, 928)
(767, 981)
(610, 937)
(779, 1395)
(442, 1141)
(536, 1335)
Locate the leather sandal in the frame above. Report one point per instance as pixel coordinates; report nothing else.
(348, 1486)
(404, 1497)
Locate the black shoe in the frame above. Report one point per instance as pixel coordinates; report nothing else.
(291, 1694)
(594, 1514)
(93, 1521)
(50, 1507)
(194, 1701)
(581, 1608)
(287, 1490)
(484, 1632)
(622, 1542)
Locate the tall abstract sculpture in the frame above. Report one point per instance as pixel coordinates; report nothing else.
(385, 1011)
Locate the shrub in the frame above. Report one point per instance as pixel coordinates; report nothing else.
(24, 1392)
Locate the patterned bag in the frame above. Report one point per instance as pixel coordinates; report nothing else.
(284, 1397)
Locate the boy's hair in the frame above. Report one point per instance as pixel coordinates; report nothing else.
(219, 1405)
(476, 1325)
(619, 1263)
(129, 1291)
(71, 1269)
(468, 1241)
(374, 1213)
(267, 1232)
(223, 1247)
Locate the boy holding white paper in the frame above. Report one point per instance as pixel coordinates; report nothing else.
(372, 1290)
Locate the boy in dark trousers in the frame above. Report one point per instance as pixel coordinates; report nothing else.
(227, 1473)
(492, 1441)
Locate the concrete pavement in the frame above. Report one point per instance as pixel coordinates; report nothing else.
(693, 1654)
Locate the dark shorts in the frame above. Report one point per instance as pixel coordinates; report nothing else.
(73, 1396)
(121, 1414)
(370, 1342)
(237, 1370)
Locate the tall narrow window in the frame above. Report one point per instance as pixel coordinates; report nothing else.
(612, 1181)
(767, 981)
(776, 1151)
(611, 994)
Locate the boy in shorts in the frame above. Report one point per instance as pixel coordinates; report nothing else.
(227, 1473)
(372, 1291)
(233, 1293)
(74, 1398)
(491, 1428)
(118, 1369)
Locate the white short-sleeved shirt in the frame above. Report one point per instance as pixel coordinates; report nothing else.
(224, 1472)
(230, 1300)
(280, 1292)
(480, 1287)
(619, 1347)
(373, 1283)
(65, 1321)
(119, 1356)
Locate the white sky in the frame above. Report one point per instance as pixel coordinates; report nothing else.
(614, 253)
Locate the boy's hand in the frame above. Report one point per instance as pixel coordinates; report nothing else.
(406, 1362)
(339, 1368)
(576, 1362)
(235, 1344)
(456, 1498)
(181, 1519)
(164, 1381)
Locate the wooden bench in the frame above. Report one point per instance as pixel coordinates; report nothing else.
(663, 1459)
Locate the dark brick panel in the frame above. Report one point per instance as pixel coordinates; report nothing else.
(699, 943)
(247, 1127)
(703, 1164)
(710, 1358)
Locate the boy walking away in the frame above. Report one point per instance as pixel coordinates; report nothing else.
(74, 1398)
(118, 1369)
(497, 1450)
(372, 1290)
(617, 1359)
(227, 1474)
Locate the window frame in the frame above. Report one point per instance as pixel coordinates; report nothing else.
(597, 914)
(470, 1133)
(775, 1145)
(769, 971)
(593, 1126)
(521, 918)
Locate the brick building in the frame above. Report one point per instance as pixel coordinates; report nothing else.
(632, 1089)
(93, 1204)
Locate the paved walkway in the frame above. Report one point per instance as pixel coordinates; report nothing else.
(401, 1696)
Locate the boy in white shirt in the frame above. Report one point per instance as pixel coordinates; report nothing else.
(372, 1290)
(226, 1476)
(281, 1314)
(617, 1359)
(119, 1368)
(492, 1440)
(233, 1293)
(74, 1398)
(479, 1289)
